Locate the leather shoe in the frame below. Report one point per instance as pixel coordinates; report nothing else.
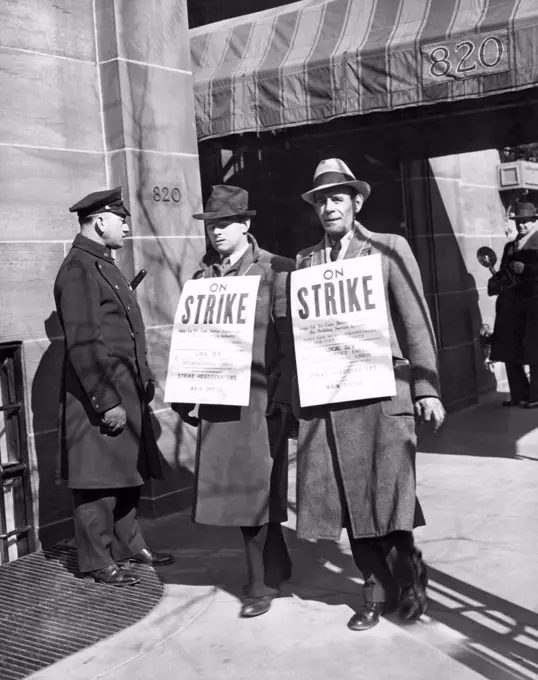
(413, 601)
(115, 576)
(256, 606)
(369, 616)
(153, 559)
(531, 404)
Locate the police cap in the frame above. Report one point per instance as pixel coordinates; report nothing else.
(109, 200)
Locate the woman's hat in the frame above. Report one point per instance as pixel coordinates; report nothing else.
(332, 173)
(226, 201)
(523, 210)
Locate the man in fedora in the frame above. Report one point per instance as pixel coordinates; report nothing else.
(356, 460)
(108, 447)
(241, 456)
(515, 335)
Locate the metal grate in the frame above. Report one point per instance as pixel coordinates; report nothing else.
(16, 525)
(47, 613)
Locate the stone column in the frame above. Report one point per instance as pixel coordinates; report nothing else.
(96, 93)
(51, 154)
(456, 208)
(151, 148)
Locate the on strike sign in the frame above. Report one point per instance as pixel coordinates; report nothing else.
(211, 348)
(341, 332)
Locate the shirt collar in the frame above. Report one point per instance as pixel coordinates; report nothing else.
(345, 241)
(235, 257)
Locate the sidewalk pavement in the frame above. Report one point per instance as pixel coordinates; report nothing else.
(478, 483)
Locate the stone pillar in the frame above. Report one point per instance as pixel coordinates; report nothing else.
(151, 147)
(96, 93)
(51, 154)
(456, 208)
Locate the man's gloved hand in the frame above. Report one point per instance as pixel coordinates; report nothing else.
(516, 267)
(183, 411)
(150, 391)
(114, 420)
(430, 409)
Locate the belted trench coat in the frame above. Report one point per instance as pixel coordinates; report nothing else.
(242, 453)
(356, 460)
(104, 365)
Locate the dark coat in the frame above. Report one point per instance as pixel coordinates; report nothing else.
(515, 334)
(105, 365)
(356, 460)
(241, 455)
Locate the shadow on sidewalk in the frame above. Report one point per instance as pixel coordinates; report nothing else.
(486, 633)
(496, 638)
(487, 429)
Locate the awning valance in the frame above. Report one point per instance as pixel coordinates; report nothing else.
(315, 60)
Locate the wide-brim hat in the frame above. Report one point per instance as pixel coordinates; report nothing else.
(523, 210)
(109, 200)
(332, 173)
(226, 201)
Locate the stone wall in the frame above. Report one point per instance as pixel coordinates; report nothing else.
(456, 208)
(96, 93)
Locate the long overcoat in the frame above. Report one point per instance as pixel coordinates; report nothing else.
(356, 460)
(515, 334)
(104, 365)
(242, 454)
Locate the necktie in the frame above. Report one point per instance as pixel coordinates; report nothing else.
(335, 250)
(225, 265)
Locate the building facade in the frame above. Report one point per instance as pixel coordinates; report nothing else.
(96, 93)
(99, 93)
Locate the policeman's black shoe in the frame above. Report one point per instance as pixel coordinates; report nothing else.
(115, 576)
(369, 616)
(512, 402)
(256, 606)
(531, 404)
(152, 559)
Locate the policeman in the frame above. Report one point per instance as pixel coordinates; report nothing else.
(107, 444)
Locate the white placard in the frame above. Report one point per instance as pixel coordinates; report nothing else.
(341, 332)
(211, 347)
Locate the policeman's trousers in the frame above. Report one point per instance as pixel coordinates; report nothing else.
(106, 526)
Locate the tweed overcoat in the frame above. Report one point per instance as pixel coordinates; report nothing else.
(515, 333)
(242, 455)
(356, 460)
(104, 365)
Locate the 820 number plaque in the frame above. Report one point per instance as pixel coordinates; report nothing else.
(456, 59)
(166, 195)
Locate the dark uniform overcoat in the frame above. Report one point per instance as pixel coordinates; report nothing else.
(105, 365)
(515, 334)
(241, 456)
(356, 460)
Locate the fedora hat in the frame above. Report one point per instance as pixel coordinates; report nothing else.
(333, 173)
(523, 210)
(226, 201)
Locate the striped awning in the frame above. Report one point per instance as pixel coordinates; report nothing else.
(316, 60)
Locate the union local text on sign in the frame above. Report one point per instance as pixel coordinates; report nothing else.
(341, 332)
(211, 347)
